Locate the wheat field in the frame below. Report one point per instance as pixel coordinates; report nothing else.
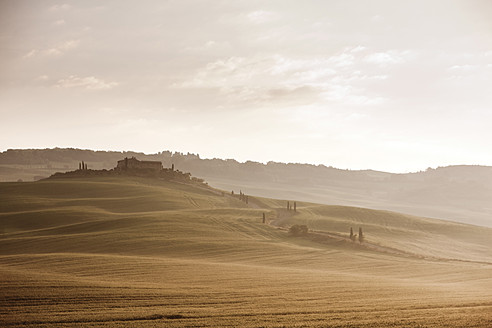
(136, 252)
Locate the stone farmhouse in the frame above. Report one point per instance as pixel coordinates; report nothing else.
(133, 163)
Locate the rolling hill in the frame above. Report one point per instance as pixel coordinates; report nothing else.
(140, 252)
(457, 193)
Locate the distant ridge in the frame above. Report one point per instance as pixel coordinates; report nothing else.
(460, 193)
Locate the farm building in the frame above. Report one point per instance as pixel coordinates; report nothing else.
(133, 163)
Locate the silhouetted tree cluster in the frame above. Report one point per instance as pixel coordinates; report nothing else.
(360, 236)
(298, 230)
(82, 166)
(290, 207)
(243, 197)
(198, 180)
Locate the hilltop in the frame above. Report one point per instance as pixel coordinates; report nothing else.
(129, 251)
(155, 171)
(458, 193)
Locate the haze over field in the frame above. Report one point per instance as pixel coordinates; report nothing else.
(344, 176)
(139, 252)
(385, 85)
(457, 193)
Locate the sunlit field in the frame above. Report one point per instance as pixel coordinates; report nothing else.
(136, 252)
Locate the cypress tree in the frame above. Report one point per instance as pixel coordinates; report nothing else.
(361, 236)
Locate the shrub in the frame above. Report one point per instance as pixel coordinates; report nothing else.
(298, 230)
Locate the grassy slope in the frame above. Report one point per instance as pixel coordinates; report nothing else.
(137, 252)
(413, 235)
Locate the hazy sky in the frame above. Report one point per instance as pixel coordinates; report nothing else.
(390, 85)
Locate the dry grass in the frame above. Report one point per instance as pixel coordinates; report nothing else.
(136, 253)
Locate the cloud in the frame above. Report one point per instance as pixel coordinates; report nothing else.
(342, 60)
(60, 7)
(267, 70)
(387, 58)
(56, 51)
(228, 72)
(59, 22)
(30, 54)
(89, 83)
(347, 94)
(476, 74)
(377, 18)
(62, 48)
(53, 52)
(359, 48)
(265, 79)
(464, 68)
(261, 16)
(43, 78)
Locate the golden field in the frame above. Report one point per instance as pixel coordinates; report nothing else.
(136, 252)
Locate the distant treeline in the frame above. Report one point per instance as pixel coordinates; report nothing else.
(291, 174)
(462, 193)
